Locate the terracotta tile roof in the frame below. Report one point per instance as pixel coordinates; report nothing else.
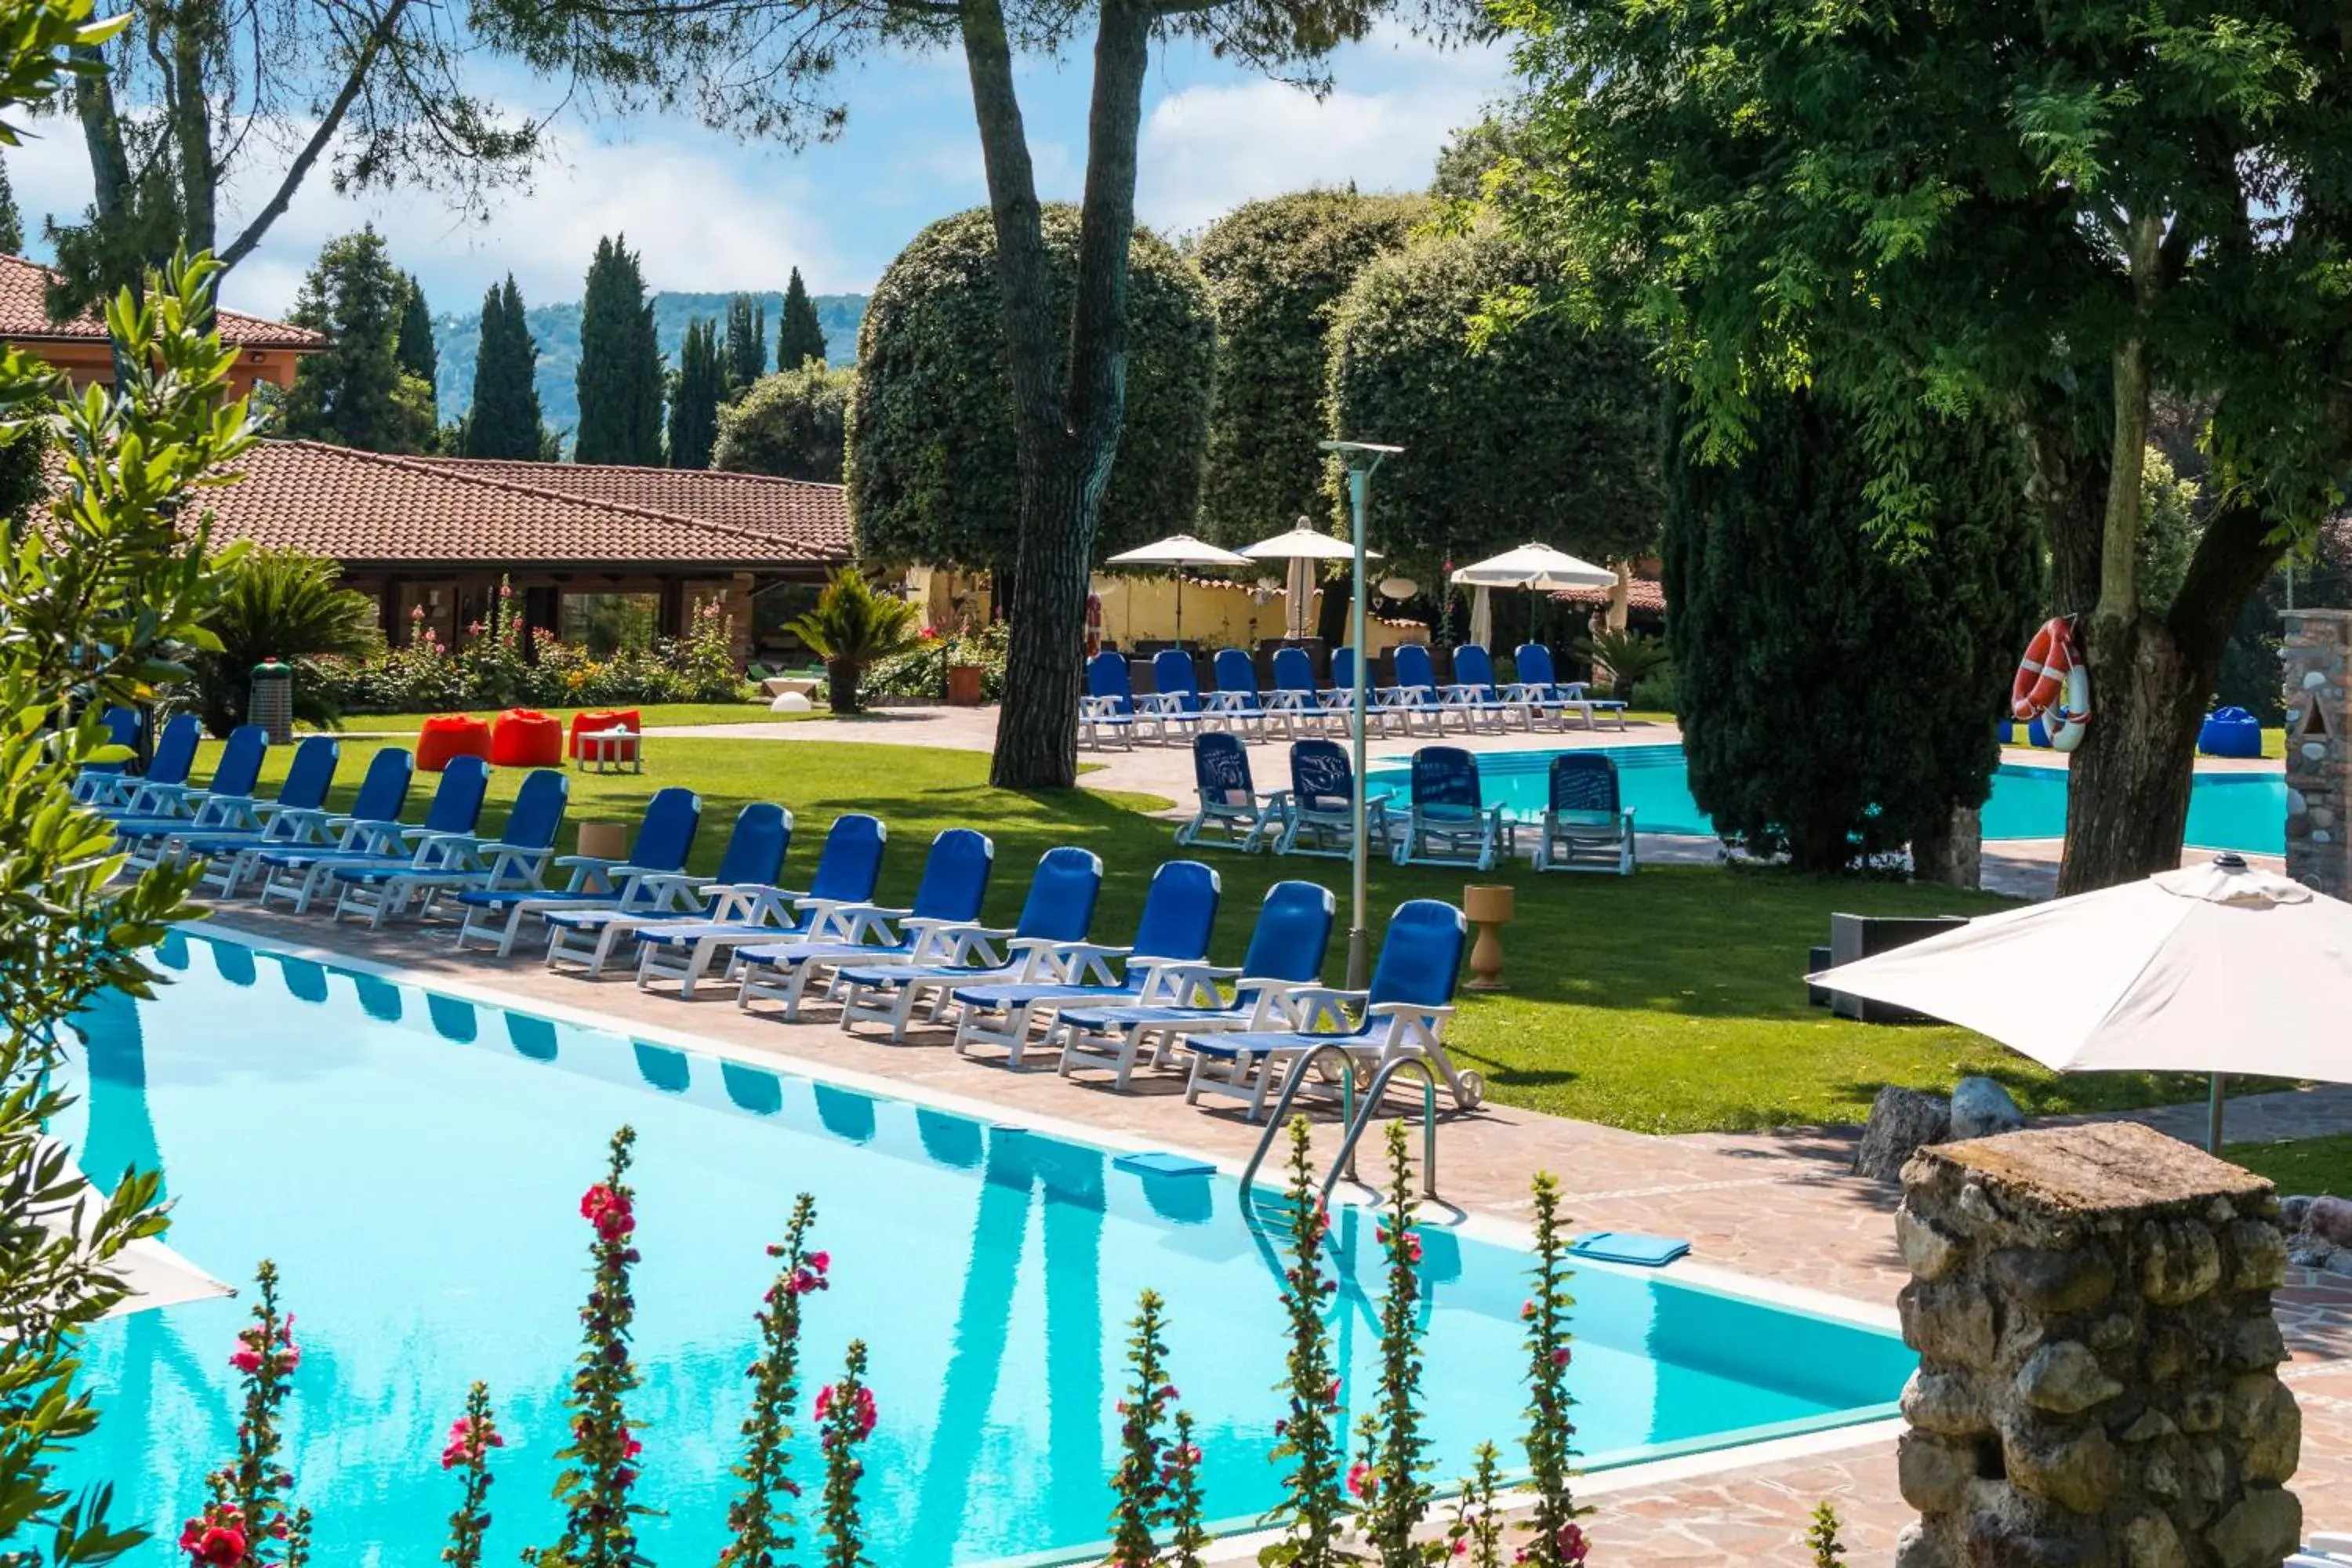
(24, 316)
(813, 517)
(372, 508)
(1642, 594)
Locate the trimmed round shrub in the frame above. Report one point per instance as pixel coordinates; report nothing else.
(790, 425)
(931, 471)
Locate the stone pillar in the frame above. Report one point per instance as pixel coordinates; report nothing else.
(2098, 1383)
(2318, 764)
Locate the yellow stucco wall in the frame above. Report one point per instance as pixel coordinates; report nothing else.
(1143, 609)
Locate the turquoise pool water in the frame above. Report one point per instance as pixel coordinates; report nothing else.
(2226, 811)
(413, 1164)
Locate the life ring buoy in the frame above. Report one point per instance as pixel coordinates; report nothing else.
(2042, 673)
(2068, 722)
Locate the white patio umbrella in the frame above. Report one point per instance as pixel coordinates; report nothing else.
(1301, 544)
(156, 1275)
(1175, 552)
(2216, 969)
(1533, 566)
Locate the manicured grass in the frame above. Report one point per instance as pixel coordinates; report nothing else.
(1669, 1001)
(657, 713)
(2274, 743)
(2302, 1164)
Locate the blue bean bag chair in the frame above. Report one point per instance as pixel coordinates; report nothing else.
(2231, 732)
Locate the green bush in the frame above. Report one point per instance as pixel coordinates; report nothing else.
(930, 471)
(923, 672)
(1654, 692)
(790, 425)
(282, 604)
(855, 625)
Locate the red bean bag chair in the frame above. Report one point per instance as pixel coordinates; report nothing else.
(448, 735)
(589, 722)
(522, 738)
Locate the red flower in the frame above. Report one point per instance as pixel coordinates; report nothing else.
(1359, 1477)
(1572, 1545)
(1559, 1357)
(608, 1210)
(820, 1261)
(467, 1439)
(1461, 1546)
(217, 1541)
(245, 1361)
(1331, 1394)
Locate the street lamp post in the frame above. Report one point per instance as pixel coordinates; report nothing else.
(1361, 457)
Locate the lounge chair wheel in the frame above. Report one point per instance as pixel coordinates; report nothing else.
(1473, 1090)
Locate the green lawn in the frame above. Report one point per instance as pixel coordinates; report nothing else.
(1669, 1002)
(655, 713)
(2301, 1165)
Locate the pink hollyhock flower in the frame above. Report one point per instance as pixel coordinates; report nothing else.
(1461, 1546)
(1526, 1311)
(1560, 1357)
(820, 1261)
(1359, 1476)
(824, 1401)
(866, 1413)
(246, 1360)
(216, 1543)
(1168, 1391)
(1331, 1394)
(1572, 1545)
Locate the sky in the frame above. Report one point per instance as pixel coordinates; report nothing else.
(708, 213)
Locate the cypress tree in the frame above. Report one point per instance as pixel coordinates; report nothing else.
(696, 392)
(747, 342)
(1837, 691)
(418, 356)
(355, 392)
(799, 336)
(505, 418)
(12, 222)
(620, 378)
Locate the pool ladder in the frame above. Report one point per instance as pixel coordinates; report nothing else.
(1355, 1120)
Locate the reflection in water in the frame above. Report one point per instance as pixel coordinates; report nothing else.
(534, 1037)
(659, 1065)
(234, 963)
(172, 953)
(950, 1139)
(452, 1019)
(305, 981)
(844, 1115)
(122, 1132)
(1186, 1200)
(761, 1093)
(379, 999)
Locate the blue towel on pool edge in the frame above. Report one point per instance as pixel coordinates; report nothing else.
(1628, 1246)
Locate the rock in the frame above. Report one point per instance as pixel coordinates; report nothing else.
(1942, 1401)
(2201, 1411)
(1902, 1122)
(2255, 1344)
(2259, 1532)
(1947, 1324)
(2329, 1219)
(2074, 1468)
(2309, 1253)
(790, 702)
(2179, 1261)
(1932, 1477)
(1928, 1249)
(2150, 1541)
(2339, 1261)
(2065, 1379)
(1981, 1107)
(2147, 1427)
(2258, 1250)
(2266, 1420)
(1915, 1549)
(2056, 1282)
(2292, 1212)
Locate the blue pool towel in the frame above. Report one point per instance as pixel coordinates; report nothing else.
(1628, 1246)
(1160, 1163)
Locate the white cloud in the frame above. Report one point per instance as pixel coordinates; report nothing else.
(1206, 149)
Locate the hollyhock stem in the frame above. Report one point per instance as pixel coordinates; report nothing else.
(1559, 1540)
(845, 1419)
(1312, 1430)
(471, 1439)
(1138, 1488)
(1398, 1495)
(601, 1460)
(1476, 1534)
(246, 1524)
(1187, 1533)
(760, 1519)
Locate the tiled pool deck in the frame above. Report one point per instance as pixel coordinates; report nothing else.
(1775, 1208)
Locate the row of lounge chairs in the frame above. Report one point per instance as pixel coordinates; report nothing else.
(1444, 820)
(1045, 983)
(1112, 713)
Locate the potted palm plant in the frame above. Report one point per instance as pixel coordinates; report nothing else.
(853, 625)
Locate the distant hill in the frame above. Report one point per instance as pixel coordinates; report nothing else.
(556, 330)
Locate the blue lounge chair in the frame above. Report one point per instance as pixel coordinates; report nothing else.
(383, 796)
(1403, 1013)
(175, 753)
(1586, 826)
(1237, 701)
(1108, 711)
(946, 902)
(1339, 697)
(1475, 695)
(1229, 801)
(1416, 698)
(1047, 943)
(847, 868)
(1179, 909)
(1321, 806)
(94, 783)
(744, 890)
(160, 807)
(1551, 701)
(298, 875)
(226, 825)
(1450, 824)
(1296, 699)
(515, 861)
(495, 911)
(1177, 702)
(1287, 949)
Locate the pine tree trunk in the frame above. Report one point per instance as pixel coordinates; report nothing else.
(1037, 725)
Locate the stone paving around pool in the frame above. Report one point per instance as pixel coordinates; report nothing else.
(1774, 1207)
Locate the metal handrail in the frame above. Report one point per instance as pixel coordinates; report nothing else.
(1346, 1163)
(1299, 1075)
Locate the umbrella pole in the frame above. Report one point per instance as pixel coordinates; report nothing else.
(2213, 1117)
(1180, 610)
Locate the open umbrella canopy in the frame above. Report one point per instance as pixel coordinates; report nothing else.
(1536, 566)
(1305, 542)
(1177, 550)
(154, 1275)
(2214, 969)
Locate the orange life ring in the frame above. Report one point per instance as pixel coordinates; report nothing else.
(2042, 673)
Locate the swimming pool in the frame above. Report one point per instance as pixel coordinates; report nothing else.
(414, 1163)
(2244, 810)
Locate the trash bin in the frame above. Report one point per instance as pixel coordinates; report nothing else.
(271, 700)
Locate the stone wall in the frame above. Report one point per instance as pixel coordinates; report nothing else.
(2097, 1385)
(2317, 763)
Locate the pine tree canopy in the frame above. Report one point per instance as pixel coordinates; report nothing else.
(696, 391)
(620, 376)
(505, 421)
(355, 392)
(799, 337)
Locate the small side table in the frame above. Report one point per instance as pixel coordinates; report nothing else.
(1488, 906)
(607, 750)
